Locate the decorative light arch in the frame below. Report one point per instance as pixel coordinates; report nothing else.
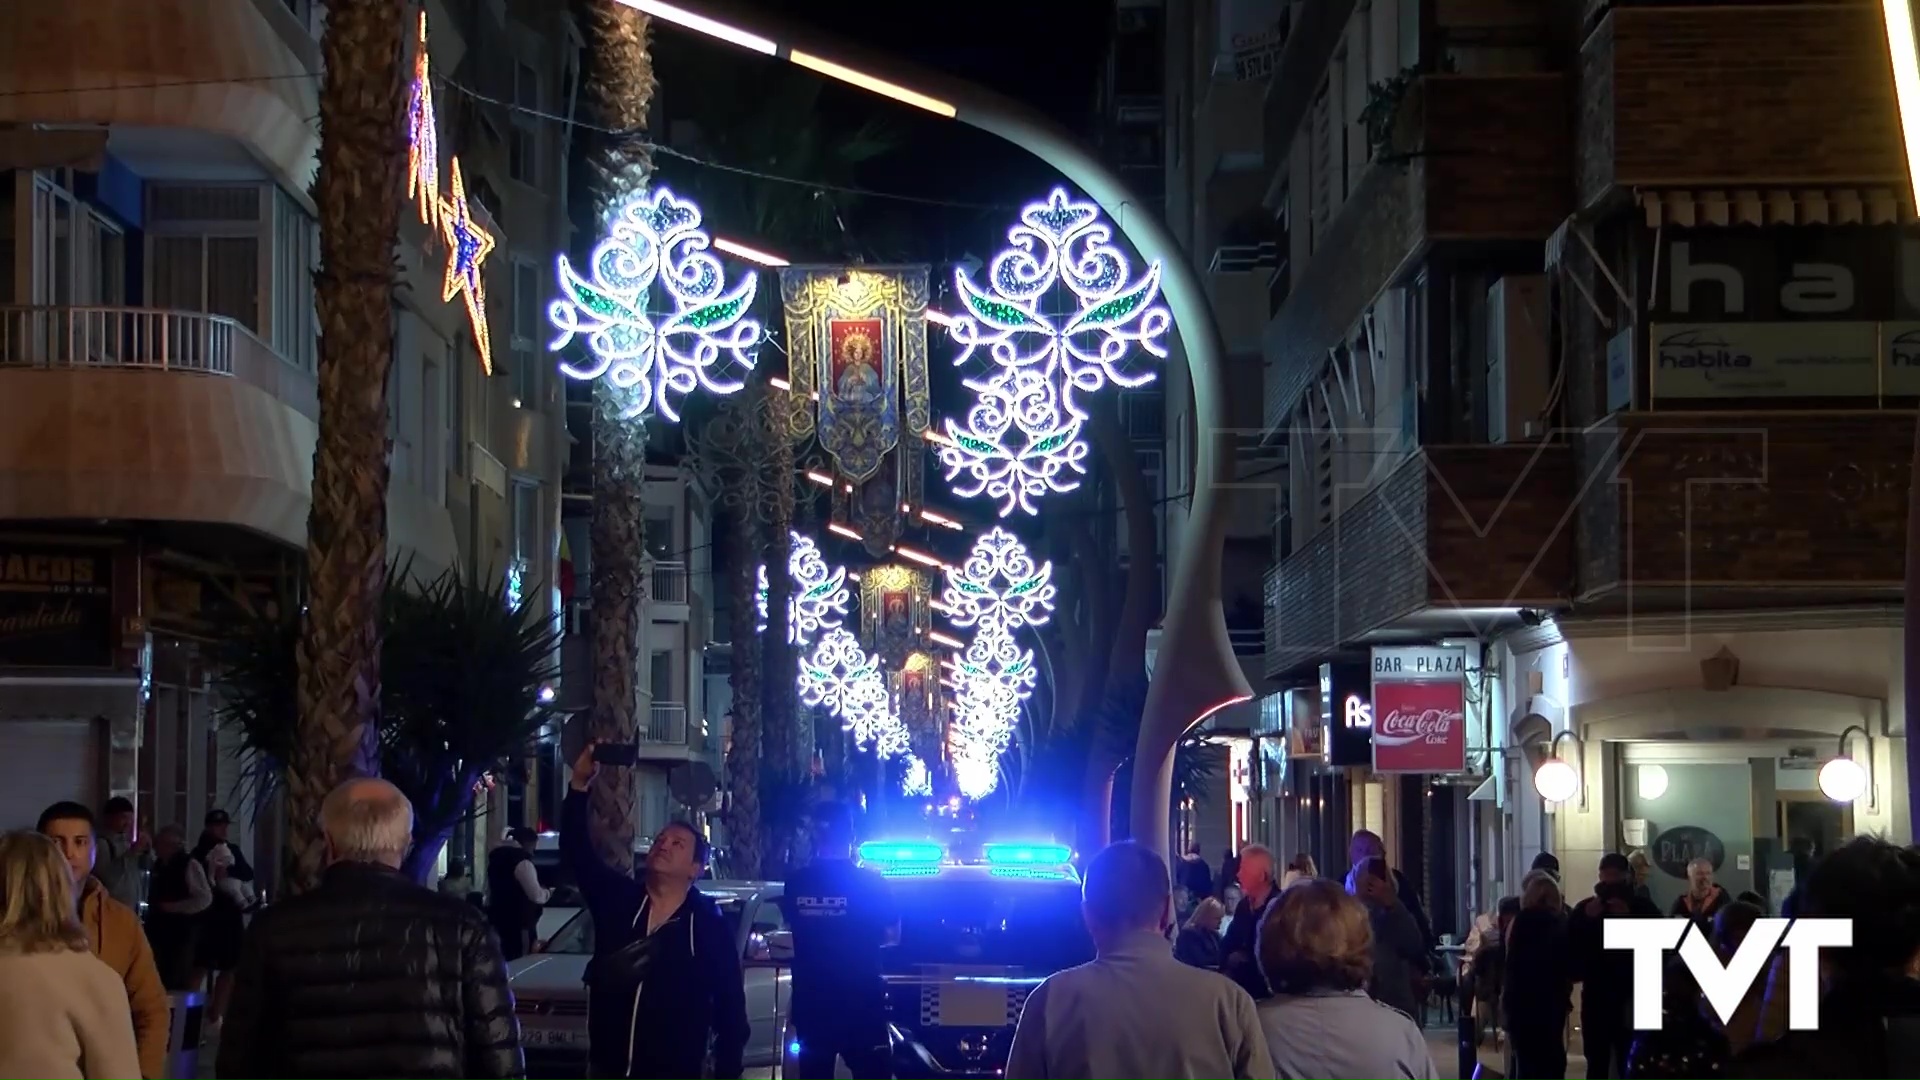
(705, 339)
(999, 585)
(819, 597)
(1022, 439)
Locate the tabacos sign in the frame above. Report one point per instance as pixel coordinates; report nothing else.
(1726, 985)
(1420, 709)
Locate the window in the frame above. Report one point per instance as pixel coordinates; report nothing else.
(523, 148)
(204, 249)
(433, 424)
(526, 523)
(660, 671)
(660, 543)
(526, 315)
(459, 355)
(296, 245)
(1320, 132)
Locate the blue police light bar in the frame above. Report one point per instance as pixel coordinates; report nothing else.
(1035, 855)
(902, 853)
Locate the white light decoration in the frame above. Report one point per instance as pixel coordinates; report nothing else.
(819, 598)
(832, 674)
(999, 586)
(1022, 438)
(918, 781)
(976, 777)
(655, 238)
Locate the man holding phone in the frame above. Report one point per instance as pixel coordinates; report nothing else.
(1606, 975)
(667, 999)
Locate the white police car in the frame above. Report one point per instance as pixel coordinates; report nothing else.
(979, 930)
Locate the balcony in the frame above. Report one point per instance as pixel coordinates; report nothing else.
(1699, 509)
(1473, 159)
(225, 68)
(1453, 540)
(1654, 83)
(668, 735)
(669, 591)
(147, 415)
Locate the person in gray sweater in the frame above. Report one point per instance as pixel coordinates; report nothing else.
(1317, 952)
(1399, 946)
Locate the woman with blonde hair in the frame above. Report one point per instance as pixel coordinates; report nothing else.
(1316, 951)
(1537, 993)
(1300, 868)
(1199, 940)
(63, 1013)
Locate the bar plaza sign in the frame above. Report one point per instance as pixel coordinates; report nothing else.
(1420, 709)
(1786, 312)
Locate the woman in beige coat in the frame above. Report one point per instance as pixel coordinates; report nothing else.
(63, 1013)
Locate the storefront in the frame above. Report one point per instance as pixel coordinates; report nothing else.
(1708, 745)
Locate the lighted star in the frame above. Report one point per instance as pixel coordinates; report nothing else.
(423, 137)
(468, 245)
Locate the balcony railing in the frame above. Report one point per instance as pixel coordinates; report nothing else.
(122, 338)
(670, 582)
(666, 723)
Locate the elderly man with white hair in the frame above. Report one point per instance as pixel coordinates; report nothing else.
(370, 974)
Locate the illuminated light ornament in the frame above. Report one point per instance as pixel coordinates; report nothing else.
(658, 358)
(423, 136)
(1018, 442)
(819, 598)
(516, 583)
(1061, 244)
(468, 245)
(999, 586)
(918, 781)
(832, 674)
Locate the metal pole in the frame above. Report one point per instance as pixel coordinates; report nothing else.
(1195, 650)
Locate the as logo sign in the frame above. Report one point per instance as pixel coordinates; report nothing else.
(1725, 985)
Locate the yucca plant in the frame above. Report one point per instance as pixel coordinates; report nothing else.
(460, 694)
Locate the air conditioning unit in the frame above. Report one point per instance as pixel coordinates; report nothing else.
(1517, 340)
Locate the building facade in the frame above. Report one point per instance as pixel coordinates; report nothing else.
(158, 350)
(1547, 382)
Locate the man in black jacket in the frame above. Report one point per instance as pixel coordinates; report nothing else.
(666, 995)
(1606, 975)
(514, 892)
(1239, 952)
(370, 975)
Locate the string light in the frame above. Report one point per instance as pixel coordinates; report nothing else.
(918, 781)
(849, 682)
(423, 136)
(656, 238)
(468, 245)
(1022, 439)
(819, 598)
(999, 586)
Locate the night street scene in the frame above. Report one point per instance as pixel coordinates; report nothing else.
(1104, 539)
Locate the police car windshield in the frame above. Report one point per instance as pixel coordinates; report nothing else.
(1025, 924)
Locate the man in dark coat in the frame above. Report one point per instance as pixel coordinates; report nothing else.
(1240, 953)
(514, 892)
(1606, 975)
(667, 999)
(370, 974)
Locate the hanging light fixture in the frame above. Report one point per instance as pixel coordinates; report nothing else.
(1557, 779)
(1843, 779)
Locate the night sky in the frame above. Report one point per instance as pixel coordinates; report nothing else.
(1047, 53)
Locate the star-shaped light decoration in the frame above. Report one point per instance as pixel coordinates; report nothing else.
(423, 136)
(468, 245)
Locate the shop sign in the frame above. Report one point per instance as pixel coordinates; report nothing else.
(1306, 730)
(56, 607)
(1676, 847)
(1252, 33)
(1419, 709)
(1346, 714)
(1765, 360)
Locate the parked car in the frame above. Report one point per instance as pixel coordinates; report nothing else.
(551, 997)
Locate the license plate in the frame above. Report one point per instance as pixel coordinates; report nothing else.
(973, 1006)
(563, 1038)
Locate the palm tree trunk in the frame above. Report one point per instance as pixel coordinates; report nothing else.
(358, 194)
(778, 662)
(745, 740)
(616, 86)
(1910, 653)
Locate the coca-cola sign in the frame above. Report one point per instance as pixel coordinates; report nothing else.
(1419, 710)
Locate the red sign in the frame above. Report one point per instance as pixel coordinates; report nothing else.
(1420, 726)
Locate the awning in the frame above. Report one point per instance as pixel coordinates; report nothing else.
(1774, 206)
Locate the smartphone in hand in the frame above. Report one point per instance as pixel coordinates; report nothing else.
(619, 755)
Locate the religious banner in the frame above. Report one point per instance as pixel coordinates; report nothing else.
(896, 613)
(857, 348)
(916, 695)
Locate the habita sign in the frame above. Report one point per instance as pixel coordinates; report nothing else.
(1420, 709)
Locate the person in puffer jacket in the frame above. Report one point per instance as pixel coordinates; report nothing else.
(370, 974)
(665, 996)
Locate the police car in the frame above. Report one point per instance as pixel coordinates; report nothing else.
(979, 929)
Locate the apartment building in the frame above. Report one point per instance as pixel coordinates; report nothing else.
(1513, 277)
(157, 366)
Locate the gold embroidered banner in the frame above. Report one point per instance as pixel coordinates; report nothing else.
(896, 612)
(857, 342)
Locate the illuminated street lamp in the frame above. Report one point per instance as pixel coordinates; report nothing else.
(1194, 642)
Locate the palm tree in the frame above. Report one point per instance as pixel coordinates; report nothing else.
(616, 87)
(358, 193)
